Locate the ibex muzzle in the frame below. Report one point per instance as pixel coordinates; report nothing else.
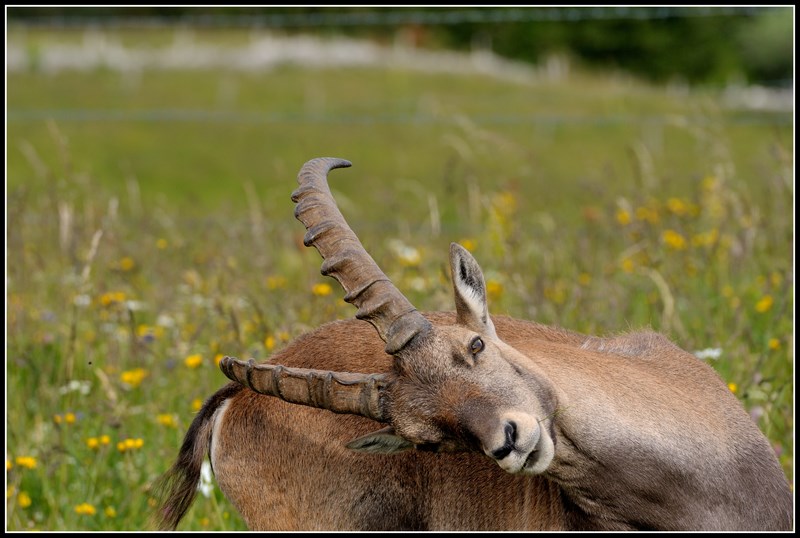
(452, 388)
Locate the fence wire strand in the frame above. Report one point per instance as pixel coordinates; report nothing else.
(396, 17)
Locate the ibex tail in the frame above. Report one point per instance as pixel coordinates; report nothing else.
(175, 490)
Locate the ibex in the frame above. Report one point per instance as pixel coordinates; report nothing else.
(490, 422)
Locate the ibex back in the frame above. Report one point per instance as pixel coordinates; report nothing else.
(488, 422)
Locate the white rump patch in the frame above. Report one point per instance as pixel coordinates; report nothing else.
(216, 420)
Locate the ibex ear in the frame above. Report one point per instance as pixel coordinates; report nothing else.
(470, 291)
(383, 441)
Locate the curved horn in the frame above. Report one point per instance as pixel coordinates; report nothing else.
(367, 287)
(340, 392)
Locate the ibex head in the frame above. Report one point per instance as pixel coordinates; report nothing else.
(453, 387)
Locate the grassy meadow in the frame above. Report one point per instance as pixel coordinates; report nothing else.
(150, 232)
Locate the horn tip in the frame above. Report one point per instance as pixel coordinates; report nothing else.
(328, 162)
(336, 162)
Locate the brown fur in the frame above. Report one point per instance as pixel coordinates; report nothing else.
(647, 437)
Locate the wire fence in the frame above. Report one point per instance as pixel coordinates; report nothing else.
(390, 17)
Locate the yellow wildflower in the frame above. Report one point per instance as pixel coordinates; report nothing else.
(69, 418)
(647, 214)
(193, 361)
(321, 290)
(127, 263)
(10, 491)
(556, 293)
(161, 243)
(764, 304)
(218, 357)
(276, 281)
(727, 291)
(494, 289)
(93, 443)
(9, 465)
(468, 244)
(166, 419)
(505, 202)
(112, 297)
(85, 509)
(705, 239)
(673, 239)
(23, 500)
(584, 279)
(197, 403)
(775, 278)
(129, 444)
(733, 387)
(628, 265)
(623, 217)
(146, 331)
(58, 419)
(269, 342)
(188, 330)
(205, 522)
(110, 512)
(248, 327)
(677, 206)
(710, 183)
(774, 343)
(28, 462)
(133, 377)
(192, 278)
(105, 439)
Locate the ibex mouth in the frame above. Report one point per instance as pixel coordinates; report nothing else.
(540, 457)
(530, 461)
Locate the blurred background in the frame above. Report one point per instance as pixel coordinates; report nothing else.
(611, 168)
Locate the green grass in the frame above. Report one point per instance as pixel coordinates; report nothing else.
(617, 206)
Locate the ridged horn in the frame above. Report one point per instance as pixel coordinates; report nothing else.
(367, 287)
(340, 392)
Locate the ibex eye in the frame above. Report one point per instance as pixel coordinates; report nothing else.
(476, 345)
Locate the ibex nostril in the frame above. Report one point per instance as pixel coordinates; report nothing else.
(511, 432)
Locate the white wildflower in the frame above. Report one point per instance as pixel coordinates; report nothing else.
(407, 255)
(134, 306)
(164, 320)
(417, 283)
(82, 300)
(201, 301)
(708, 353)
(76, 386)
